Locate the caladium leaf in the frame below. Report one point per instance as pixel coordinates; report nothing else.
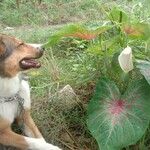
(137, 30)
(116, 120)
(144, 67)
(77, 31)
(118, 15)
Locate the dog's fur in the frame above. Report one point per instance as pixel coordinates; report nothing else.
(12, 53)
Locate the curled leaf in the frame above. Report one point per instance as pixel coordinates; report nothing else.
(125, 60)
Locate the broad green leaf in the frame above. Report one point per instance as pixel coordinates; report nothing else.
(118, 15)
(116, 120)
(144, 67)
(137, 30)
(77, 31)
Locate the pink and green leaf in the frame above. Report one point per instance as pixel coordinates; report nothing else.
(116, 120)
(138, 30)
(77, 31)
(144, 67)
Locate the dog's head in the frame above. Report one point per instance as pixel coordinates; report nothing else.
(16, 56)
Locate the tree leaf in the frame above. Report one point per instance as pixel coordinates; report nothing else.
(117, 121)
(144, 67)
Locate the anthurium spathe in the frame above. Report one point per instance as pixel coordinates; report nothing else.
(125, 59)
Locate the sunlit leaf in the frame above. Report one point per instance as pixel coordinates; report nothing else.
(117, 120)
(77, 31)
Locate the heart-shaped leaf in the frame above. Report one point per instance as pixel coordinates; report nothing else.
(118, 15)
(77, 31)
(144, 67)
(117, 121)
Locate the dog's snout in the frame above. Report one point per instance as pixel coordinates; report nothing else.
(41, 50)
(39, 47)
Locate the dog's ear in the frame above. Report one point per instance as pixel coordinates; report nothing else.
(6, 45)
(2, 47)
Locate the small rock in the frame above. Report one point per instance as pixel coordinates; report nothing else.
(67, 96)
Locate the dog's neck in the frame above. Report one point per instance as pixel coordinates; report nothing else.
(9, 86)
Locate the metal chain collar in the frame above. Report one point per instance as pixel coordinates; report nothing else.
(16, 97)
(12, 98)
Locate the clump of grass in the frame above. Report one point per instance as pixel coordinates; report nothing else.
(48, 12)
(62, 125)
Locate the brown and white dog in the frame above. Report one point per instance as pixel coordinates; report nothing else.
(15, 57)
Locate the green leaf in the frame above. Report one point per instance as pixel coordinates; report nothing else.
(77, 31)
(144, 67)
(137, 30)
(118, 15)
(116, 120)
(102, 29)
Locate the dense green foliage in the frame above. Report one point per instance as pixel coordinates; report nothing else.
(120, 121)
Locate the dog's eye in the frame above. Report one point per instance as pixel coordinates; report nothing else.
(20, 44)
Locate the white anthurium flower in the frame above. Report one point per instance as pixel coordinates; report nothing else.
(125, 59)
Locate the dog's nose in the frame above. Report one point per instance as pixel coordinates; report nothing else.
(41, 50)
(40, 47)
